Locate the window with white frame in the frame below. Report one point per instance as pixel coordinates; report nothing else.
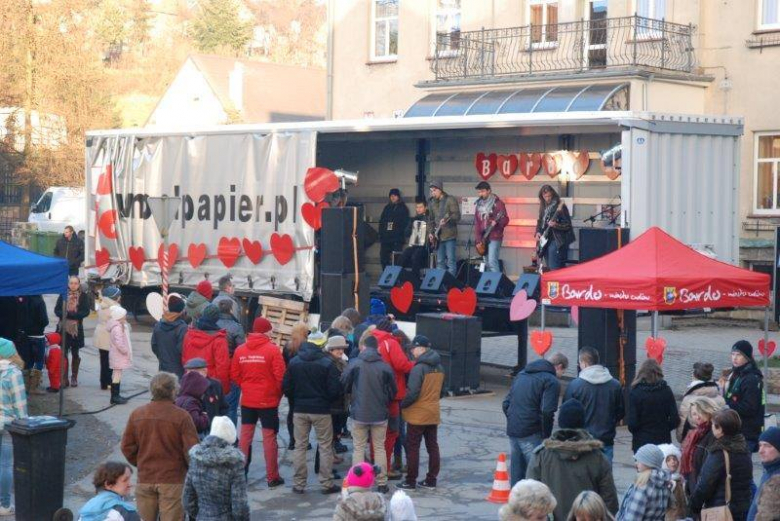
(767, 163)
(768, 14)
(651, 9)
(544, 21)
(446, 29)
(384, 20)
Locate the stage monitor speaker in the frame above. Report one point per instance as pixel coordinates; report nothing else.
(458, 340)
(396, 276)
(530, 283)
(494, 284)
(439, 281)
(597, 242)
(337, 294)
(337, 252)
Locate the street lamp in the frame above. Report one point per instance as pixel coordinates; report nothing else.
(164, 212)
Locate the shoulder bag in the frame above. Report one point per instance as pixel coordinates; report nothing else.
(721, 513)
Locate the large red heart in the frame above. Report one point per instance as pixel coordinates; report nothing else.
(530, 164)
(102, 260)
(105, 182)
(507, 165)
(485, 165)
(402, 297)
(319, 182)
(313, 214)
(521, 308)
(282, 247)
(768, 349)
(551, 163)
(541, 341)
(107, 224)
(196, 254)
(253, 250)
(228, 251)
(655, 348)
(462, 302)
(173, 255)
(137, 256)
(580, 162)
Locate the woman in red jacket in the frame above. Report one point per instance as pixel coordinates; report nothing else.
(209, 342)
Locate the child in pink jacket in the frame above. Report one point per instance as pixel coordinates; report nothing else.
(120, 352)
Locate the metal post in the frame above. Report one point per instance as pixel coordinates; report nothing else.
(654, 324)
(64, 335)
(465, 56)
(766, 342)
(689, 48)
(165, 263)
(542, 315)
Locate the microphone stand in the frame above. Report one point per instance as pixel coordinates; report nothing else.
(607, 209)
(468, 248)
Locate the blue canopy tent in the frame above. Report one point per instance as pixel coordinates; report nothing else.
(23, 272)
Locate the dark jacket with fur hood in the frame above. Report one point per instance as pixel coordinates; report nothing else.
(569, 462)
(710, 490)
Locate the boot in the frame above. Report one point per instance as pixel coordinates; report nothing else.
(74, 377)
(116, 398)
(65, 381)
(35, 381)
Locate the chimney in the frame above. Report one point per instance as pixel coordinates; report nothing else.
(236, 86)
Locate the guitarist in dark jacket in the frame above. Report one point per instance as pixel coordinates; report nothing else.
(490, 220)
(554, 225)
(392, 227)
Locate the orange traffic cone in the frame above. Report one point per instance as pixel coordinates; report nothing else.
(500, 492)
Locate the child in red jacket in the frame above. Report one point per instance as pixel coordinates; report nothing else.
(54, 361)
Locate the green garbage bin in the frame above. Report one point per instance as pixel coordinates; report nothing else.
(32, 240)
(47, 241)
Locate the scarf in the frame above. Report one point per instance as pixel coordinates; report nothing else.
(485, 207)
(689, 446)
(71, 325)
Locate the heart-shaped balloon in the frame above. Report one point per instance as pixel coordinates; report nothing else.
(137, 256)
(282, 248)
(579, 163)
(102, 260)
(767, 349)
(173, 255)
(530, 164)
(401, 298)
(228, 250)
(196, 254)
(485, 165)
(107, 224)
(575, 314)
(541, 341)
(551, 163)
(105, 182)
(319, 182)
(463, 302)
(312, 214)
(507, 165)
(655, 348)
(253, 250)
(521, 307)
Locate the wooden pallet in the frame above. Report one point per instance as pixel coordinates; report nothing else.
(283, 314)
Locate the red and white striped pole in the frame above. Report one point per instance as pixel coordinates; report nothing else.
(165, 274)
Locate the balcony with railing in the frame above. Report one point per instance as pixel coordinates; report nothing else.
(610, 44)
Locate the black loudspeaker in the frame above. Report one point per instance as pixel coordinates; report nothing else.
(337, 252)
(439, 281)
(494, 284)
(337, 294)
(596, 242)
(395, 276)
(458, 339)
(530, 283)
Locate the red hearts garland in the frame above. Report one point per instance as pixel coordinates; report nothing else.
(530, 164)
(507, 165)
(282, 248)
(253, 250)
(196, 254)
(768, 349)
(137, 256)
(551, 163)
(102, 260)
(173, 255)
(319, 182)
(402, 297)
(521, 306)
(485, 165)
(580, 163)
(541, 341)
(655, 348)
(462, 302)
(228, 250)
(312, 214)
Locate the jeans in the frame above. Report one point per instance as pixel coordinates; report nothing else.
(556, 257)
(414, 436)
(232, 398)
(493, 252)
(6, 469)
(609, 452)
(446, 250)
(521, 450)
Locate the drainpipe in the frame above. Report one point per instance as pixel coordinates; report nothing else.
(329, 60)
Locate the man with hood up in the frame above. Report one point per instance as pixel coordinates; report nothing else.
(209, 342)
(745, 392)
(168, 337)
(602, 397)
(193, 387)
(199, 299)
(571, 461)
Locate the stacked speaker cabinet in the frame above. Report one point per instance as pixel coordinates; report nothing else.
(458, 340)
(343, 280)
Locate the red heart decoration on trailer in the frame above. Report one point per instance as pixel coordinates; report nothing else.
(655, 348)
(319, 182)
(521, 308)
(228, 251)
(507, 165)
(107, 224)
(196, 254)
(282, 248)
(137, 256)
(105, 182)
(768, 349)
(253, 250)
(530, 163)
(541, 341)
(485, 165)
(551, 163)
(173, 255)
(401, 298)
(580, 161)
(462, 302)
(102, 260)
(313, 214)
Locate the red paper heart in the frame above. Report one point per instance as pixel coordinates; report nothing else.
(319, 182)
(551, 163)
(541, 341)
(137, 256)
(196, 254)
(579, 163)
(105, 182)
(402, 297)
(462, 302)
(655, 348)
(530, 164)
(313, 214)
(485, 165)
(507, 165)
(102, 260)
(173, 255)
(521, 307)
(107, 224)
(253, 250)
(282, 248)
(228, 251)
(768, 349)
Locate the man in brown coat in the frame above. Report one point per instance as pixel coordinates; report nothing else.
(157, 440)
(421, 411)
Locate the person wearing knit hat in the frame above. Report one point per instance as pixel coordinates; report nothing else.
(199, 299)
(744, 392)
(571, 415)
(54, 361)
(120, 352)
(392, 227)
(377, 307)
(672, 464)
(650, 456)
(168, 336)
(402, 507)
(14, 405)
(359, 502)
(109, 296)
(444, 214)
(766, 500)
(650, 494)
(261, 325)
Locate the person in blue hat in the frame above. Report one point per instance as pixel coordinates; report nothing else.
(766, 500)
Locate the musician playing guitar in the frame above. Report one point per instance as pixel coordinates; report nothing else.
(490, 220)
(444, 214)
(554, 231)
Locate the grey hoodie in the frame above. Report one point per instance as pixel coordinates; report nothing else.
(602, 398)
(371, 383)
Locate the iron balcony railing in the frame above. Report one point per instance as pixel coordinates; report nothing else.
(571, 47)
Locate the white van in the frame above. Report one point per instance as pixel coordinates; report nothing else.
(58, 207)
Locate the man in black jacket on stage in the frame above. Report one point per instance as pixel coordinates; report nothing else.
(392, 227)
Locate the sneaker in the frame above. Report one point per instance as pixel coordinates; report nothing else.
(340, 448)
(383, 489)
(7, 511)
(426, 484)
(333, 489)
(275, 483)
(405, 485)
(394, 474)
(297, 490)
